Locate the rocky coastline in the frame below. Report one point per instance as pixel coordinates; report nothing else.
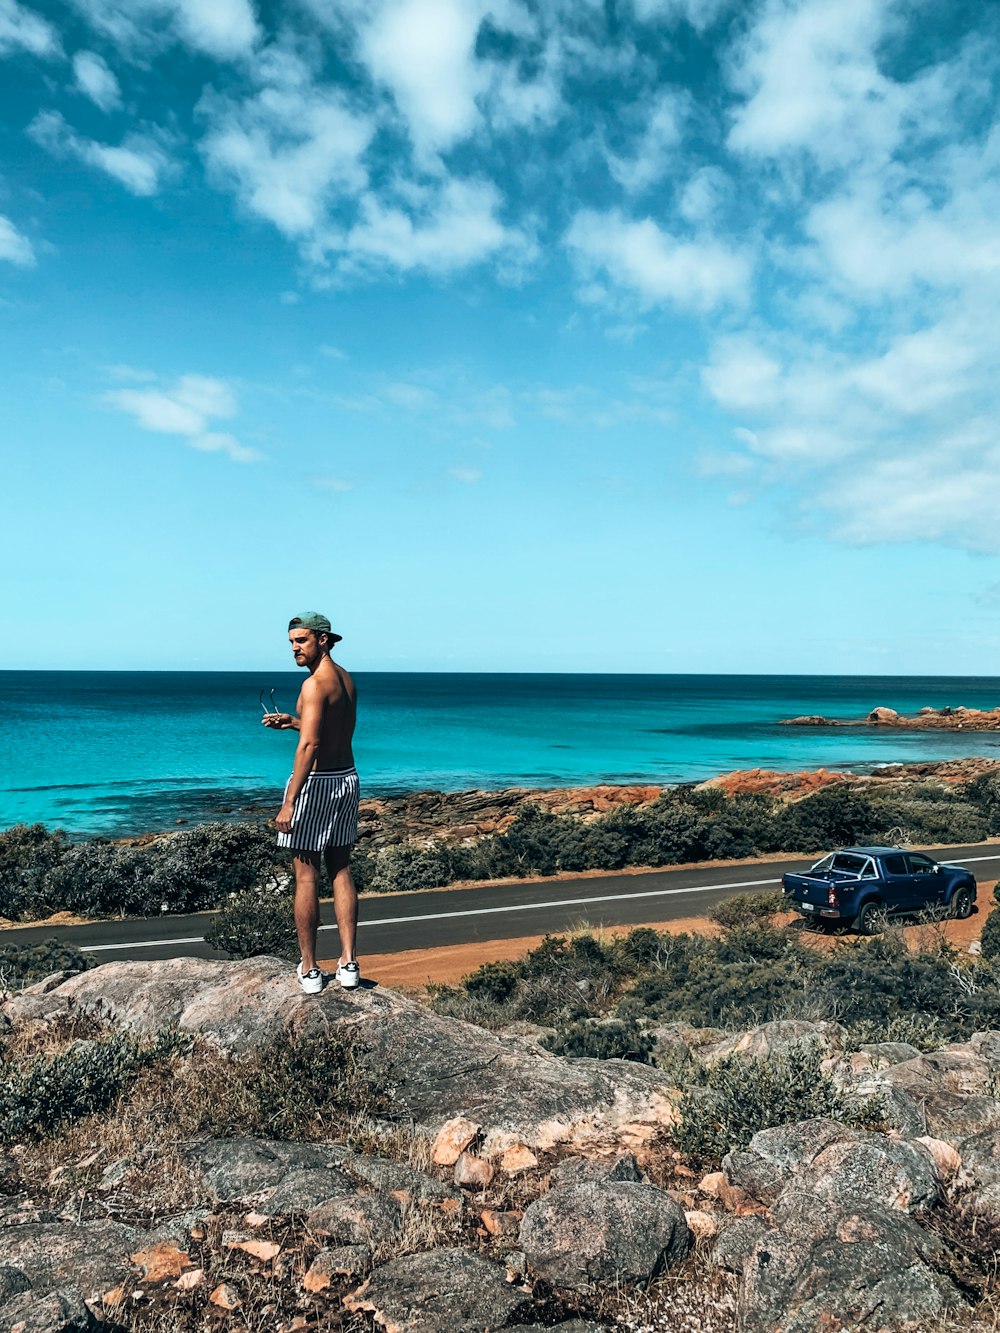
(927, 719)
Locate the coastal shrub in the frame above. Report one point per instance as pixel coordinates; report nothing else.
(744, 909)
(835, 816)
(41, 1094)
(731, 1100)
(21, 964)
(610, 1039)
(258, 921)
(200, 867)
(984, 793)
(879, 980)
(104, 878)
(28, 855)
(919, 1030)
(990, 937)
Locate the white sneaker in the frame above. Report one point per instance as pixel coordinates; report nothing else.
(349, 975)
(311, 981)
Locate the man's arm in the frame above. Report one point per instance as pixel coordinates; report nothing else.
(280, 721)
(310, 727)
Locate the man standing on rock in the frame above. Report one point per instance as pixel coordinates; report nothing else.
(318, 818)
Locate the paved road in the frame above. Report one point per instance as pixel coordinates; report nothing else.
(391, 923)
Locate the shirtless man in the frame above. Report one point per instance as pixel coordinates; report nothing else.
(318, 818)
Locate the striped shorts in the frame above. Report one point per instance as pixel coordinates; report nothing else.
(326, 812)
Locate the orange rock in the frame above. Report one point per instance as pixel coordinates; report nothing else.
(256, 1219)
(703, 1225)
(473, 1173)
(260, 1249)
(114, 1297)
(713, 1183)
(226, 1297)
(161, 1261)
(453, 1138)
(518, 1158)
(946, 1158)
(317, 1278)
(498, 1223)
(188, 1281)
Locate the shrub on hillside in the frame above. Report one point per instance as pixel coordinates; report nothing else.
(184, 872)
(29, 854)
(21, 964)
(39, 1095)
(734, 1098)
(990, 937)
(745, 909)
(258, 921)
(607, 1039)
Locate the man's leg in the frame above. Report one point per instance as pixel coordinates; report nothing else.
(307, 876)
(345, 899)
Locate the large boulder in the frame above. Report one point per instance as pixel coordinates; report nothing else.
(438, 1067)
(866, 1271)
(245, 1170)
(61, 1311)
(93, 1258)
(449, 1289)
(841, 1168)
(592, 1231)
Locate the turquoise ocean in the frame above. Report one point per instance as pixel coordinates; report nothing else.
(129, 752)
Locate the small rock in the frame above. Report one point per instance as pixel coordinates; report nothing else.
(472, 1173)
(946, 1158)
(500, 1224)
(518, 1159)
(161, 1262)
(713, 1184)
(342, 1261)
(452, 1140)
(703, 1226)
(190, 1280)
(226, 1297)
(12, 1282)
(265, 1250)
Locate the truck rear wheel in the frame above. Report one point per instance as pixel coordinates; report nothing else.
(961, 904)
(870, 918)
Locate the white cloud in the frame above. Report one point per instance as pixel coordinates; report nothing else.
(336, 485)
(15, 247)
(470, 475)
(289, 152)
(458, 226)
(21, 29)
(225, 29)
(642, 259)
(424, 51)
(812, 80)
(701, 14)
(96, 81)
(138, 163)
(656, 148)
(188, 409)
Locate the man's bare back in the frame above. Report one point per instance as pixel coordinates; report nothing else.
(335, 692)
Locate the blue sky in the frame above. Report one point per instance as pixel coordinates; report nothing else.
(657, 335)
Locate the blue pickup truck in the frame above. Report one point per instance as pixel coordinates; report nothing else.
(863, 885)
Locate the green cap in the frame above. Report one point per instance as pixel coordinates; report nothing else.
(314, 621)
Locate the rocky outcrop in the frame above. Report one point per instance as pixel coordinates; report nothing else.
(510, 1090)
(927, 719)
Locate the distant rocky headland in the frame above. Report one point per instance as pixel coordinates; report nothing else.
(928, 719)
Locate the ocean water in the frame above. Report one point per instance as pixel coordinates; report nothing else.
(128, 752)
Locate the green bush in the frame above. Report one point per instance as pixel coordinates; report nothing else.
(258, 921)
(39, 1095)
(734, 1098)
(21, 964)
(990, 937)
(610, 1039)
(744, 909)
(29, 854)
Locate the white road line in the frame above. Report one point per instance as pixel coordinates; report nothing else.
(495, 911)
